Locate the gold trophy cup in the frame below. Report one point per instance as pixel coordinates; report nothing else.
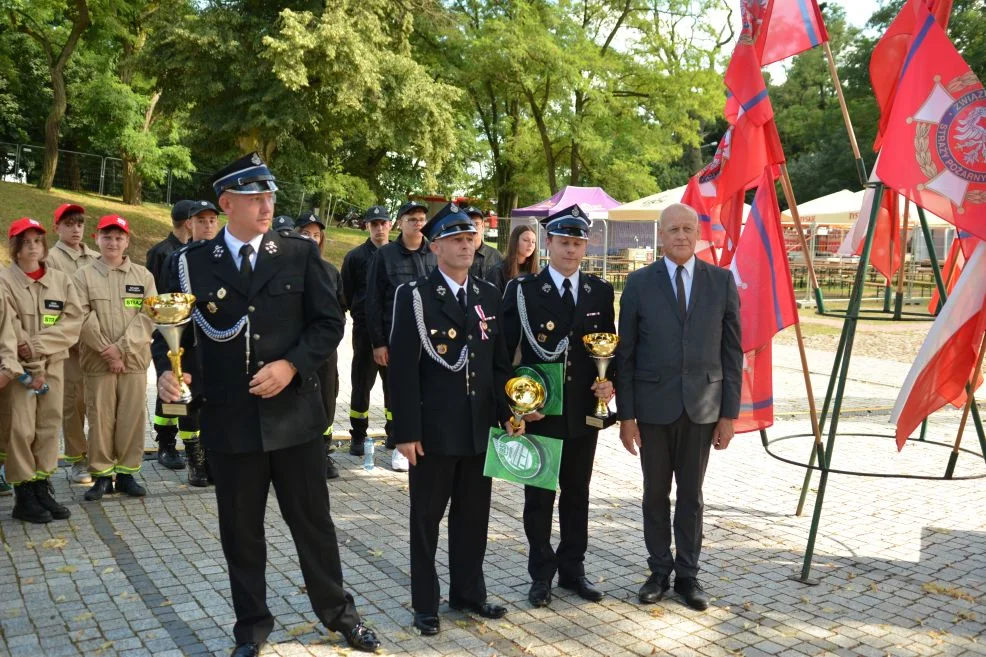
(601, 347)
(526, 396)
(171, 314)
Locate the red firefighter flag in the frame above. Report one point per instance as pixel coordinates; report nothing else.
(745, 87)
(935, 147)
(782, 28)
(889, 54)
(760, 268)
(757, 393)
(710, 229)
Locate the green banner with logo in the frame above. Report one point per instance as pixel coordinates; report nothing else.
(525, 459)
(552, 377)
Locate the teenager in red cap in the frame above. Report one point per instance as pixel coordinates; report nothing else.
(47, 319)
(115, 354)
(70, 254)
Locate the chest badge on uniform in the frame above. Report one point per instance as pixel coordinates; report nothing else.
(217, 252)
(550, 326)
(270, 247)
(441, 349)
(221, 293)
(587, 288)
(212, 307)
(441, 290)
(475, 289)
(542, 337)
(452, 333)
(546, 288)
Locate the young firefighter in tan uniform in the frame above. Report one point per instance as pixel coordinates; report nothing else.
(70, 254)
(116, 350)
(10, 369)
(47, 320)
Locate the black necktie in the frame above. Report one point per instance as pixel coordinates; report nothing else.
(246, 269)
(679, 283)
(461, 296)
(566, 295)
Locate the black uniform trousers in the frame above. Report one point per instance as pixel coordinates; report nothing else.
(328, 377)
(573, 514)
(364, 373)
(432, 482)
(242, 484)
(679, 450)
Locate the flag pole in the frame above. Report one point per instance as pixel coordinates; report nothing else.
(860, 167)
(899, 300)
(792, 205)
(842, 369)
(818, 449)
(969, 401)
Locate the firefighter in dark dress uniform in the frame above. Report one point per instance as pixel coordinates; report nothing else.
(448, 368)
(547, 314)
(264, 320)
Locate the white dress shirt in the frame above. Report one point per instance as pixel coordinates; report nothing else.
(234, 245)
(558, 279)
(686, 277)
(453, 286)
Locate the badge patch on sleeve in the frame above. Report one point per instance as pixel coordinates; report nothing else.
(135, 289)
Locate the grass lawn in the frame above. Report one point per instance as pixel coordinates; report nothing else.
(150, 222)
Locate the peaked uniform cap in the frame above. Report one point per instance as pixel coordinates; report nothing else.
(247, 175)
(450, 220)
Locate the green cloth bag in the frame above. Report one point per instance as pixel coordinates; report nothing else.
(526, 459)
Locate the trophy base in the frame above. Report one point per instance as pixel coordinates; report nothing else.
(177, 409)
(600, 422)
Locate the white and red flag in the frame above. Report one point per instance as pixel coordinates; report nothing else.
(945, 363)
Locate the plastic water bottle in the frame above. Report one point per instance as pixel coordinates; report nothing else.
(368, 453)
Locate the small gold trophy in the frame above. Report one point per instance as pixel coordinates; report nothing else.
(601, 347)
(526, 396)
(171, 314)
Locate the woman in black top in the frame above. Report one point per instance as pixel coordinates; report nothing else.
(520, 259)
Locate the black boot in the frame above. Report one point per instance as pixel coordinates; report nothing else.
(26, 505)
(167, 455)
(195, 455)
(100, 486)
(125, 483)
(45, 493)
(358, 428)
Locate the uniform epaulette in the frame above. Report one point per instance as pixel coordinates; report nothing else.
(192, 245)
(485, 282)
(292, 235)
(524, 277)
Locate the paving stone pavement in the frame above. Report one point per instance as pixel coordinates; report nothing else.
(901, 564)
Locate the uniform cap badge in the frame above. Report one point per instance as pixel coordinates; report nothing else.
(256, 159)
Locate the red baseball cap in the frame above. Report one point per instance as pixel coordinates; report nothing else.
(22, 224)
(113, 221)
(67, 208)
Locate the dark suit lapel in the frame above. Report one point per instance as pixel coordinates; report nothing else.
(664, 283)
(223, 264)
(267, 262)
(449, 304)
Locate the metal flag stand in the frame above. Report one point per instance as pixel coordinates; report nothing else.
(836, 392)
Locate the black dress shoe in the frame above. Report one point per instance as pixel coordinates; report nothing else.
(427, 624)
(581, 586)
(356, 446)
(540, 593)
(360, 637)
(101, 486)
(484, 609)
(246, 650)
(692, 593)
(125, 483)
(654, 589)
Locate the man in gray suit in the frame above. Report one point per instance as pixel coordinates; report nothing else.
(679, 368)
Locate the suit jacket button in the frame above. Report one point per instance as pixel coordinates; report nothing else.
(260, 363)
(256, 336)
(568, 378)
(288, 286)
(469, 337)
(569, 363)
(251, 309)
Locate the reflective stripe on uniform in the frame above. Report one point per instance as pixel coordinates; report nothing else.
(122, 469)
(359, 415)
(165, 421)
(328, 431)
(73, 459)
(188, 435)
(387, 414)
(102, 473)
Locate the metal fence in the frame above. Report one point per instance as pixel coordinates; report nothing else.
(103, 175)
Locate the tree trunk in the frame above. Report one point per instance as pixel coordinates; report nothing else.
(72, 172)
(549, 154)
(133, 186)
(53, 124)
